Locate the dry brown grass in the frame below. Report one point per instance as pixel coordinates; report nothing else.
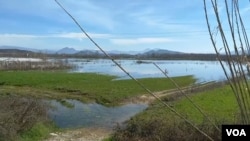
(162, 129)
(18, 115)
(29, 65)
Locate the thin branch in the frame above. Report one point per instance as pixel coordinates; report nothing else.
(139, 83)
(189, 99)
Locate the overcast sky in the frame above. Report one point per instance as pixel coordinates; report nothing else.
(126, 25)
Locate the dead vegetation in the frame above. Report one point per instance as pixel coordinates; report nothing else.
(159, 129)
(9, 64)
(19, 114)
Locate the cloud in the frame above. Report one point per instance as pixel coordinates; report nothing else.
(71, 35)
(17, 36)
(49, 40)
(88, 13)
(80, 35)
(45, 8)
(141, 41)
(92, 13)
(245, 9)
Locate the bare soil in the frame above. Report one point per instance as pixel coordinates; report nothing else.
(173, 94)
(82, 134)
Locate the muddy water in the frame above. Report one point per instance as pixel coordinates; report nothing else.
(91, 115)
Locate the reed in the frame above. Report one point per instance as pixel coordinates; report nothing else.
(235, 42)
(34, 65)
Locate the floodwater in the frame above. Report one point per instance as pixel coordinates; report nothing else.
(91, 114)
(96, 115)
(203, 71)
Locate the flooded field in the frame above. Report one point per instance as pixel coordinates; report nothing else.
(202, 70)
(80, 114)
(91, 114)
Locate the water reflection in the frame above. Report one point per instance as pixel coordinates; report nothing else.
(92, 114)
(19, 114)
(202, 70)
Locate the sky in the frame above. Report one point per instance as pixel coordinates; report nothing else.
(124, 25)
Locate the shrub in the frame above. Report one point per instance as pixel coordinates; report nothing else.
(162, 129)
(18, 115)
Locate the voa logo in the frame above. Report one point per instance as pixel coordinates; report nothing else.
(236, 132)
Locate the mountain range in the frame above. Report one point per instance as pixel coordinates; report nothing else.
(28, 49)
(71, 51)
(14, 51)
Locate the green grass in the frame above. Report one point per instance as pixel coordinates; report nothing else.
(219, 104)
(159, 123)
(38, 132)
(83, 86)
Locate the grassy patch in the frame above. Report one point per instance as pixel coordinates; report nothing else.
(82, 86)
(38, 132)
(219, 104)
(159, 123)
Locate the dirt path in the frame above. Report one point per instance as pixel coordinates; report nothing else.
(174, 93)
(82, 134)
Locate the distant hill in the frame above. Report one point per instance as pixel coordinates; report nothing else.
(89, 53)
(17, 48)
(123, 52)
(14, 51)
(67, 50)
(70, 50)
(28, 49)
(160, 52)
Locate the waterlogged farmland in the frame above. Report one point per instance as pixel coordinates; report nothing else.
(97, 94)
(203, 71)
(92, 114)
(70, 89)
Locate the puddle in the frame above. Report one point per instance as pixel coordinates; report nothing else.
(91, 114)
